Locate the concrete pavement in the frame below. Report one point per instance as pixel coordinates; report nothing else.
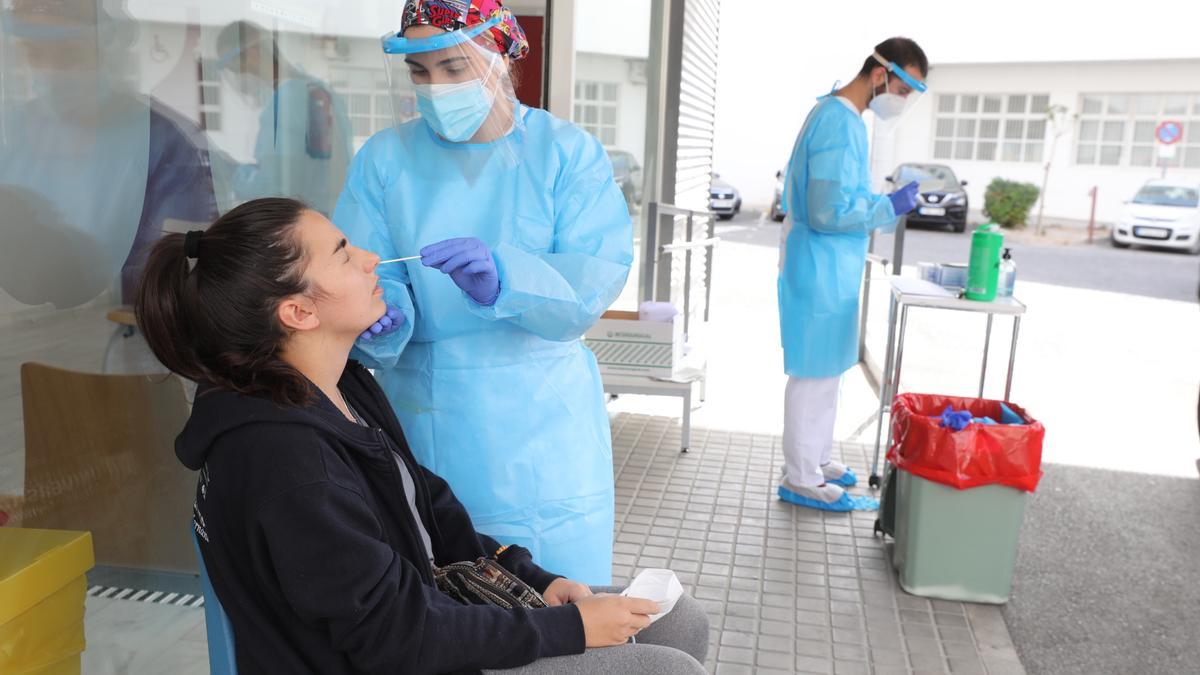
(1108, 562)
(1107, 575)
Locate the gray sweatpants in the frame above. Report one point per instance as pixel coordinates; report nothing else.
(674, 645)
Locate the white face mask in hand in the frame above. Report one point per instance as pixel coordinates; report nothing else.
(658, 585)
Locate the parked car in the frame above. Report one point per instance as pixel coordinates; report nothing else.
(723, 199)
(942, 199)
(777, 205)
(1163, 213)
(628, 175)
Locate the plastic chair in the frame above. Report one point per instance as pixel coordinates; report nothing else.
(98, 457)
(221, 655)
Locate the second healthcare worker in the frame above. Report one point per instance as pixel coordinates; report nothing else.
(524, 240)
(831, 212)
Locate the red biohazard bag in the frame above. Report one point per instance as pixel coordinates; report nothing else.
(981, 454)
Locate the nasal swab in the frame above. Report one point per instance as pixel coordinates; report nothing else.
(411, 257)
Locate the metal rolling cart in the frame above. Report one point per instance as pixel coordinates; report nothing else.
(907, 293)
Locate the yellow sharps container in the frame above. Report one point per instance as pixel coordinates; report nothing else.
(42, 595)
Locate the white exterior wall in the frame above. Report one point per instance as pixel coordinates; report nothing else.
(631, 96)
(1067, 193)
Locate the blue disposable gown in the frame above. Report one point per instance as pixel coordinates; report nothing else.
(504, 402)
(832, 210)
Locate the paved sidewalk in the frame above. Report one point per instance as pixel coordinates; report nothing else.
(787, 589)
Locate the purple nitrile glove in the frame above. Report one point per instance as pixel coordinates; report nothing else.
(904, 200)
(391, 320)
(469, 263)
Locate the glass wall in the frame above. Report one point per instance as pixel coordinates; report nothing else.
(121, 120)
(612, 64)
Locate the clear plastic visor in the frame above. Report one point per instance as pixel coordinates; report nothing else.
(456, 81)
(901, 83)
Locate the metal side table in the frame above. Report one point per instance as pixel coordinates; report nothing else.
(648, 386)
(908, 292)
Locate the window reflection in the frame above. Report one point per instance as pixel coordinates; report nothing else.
(99, 167)
(124, 119)
(612, 62)
(115, 128)
(301, 145)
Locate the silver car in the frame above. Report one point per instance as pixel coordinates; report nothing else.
(723, 199)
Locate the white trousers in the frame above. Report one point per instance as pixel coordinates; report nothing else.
(809, 412)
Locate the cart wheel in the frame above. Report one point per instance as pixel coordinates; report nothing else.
(874, 481)
(878, 527)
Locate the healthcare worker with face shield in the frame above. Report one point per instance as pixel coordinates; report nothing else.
(831, 211)
(524, 240)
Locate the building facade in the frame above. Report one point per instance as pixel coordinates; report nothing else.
(991, 121)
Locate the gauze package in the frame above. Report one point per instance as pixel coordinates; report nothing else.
(659, 585)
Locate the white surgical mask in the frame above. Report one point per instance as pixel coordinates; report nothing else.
(887, 106)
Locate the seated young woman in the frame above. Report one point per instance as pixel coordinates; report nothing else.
(319, 530)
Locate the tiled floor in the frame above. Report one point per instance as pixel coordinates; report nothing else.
(787, 589)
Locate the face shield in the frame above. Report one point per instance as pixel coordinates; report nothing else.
(457, 84)
(900, 93)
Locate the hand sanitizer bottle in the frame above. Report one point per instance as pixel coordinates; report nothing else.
(1008, 275)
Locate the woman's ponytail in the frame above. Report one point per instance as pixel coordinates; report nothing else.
(207, 302)
(159, 307)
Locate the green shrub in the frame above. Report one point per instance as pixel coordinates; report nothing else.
(1008, 202)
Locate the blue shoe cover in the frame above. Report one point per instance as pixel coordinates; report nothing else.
(848, 502)
(848, 479)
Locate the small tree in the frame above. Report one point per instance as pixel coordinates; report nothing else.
(1008, 202)
(1056, 117)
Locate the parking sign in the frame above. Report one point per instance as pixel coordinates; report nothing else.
(1169, 132)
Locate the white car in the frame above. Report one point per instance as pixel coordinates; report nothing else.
(1164, 213)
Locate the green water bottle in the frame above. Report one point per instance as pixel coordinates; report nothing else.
(983, 270)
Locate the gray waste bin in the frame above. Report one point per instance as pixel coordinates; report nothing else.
(956, 544)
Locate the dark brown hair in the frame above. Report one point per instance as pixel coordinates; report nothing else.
(213, 319)
(901, 51)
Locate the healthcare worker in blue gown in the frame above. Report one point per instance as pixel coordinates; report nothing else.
(524, 240)
(831, 211)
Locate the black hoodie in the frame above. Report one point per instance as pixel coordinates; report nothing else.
(314, 553)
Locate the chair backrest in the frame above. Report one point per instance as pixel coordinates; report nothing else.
(222, 659)
(99, 456)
